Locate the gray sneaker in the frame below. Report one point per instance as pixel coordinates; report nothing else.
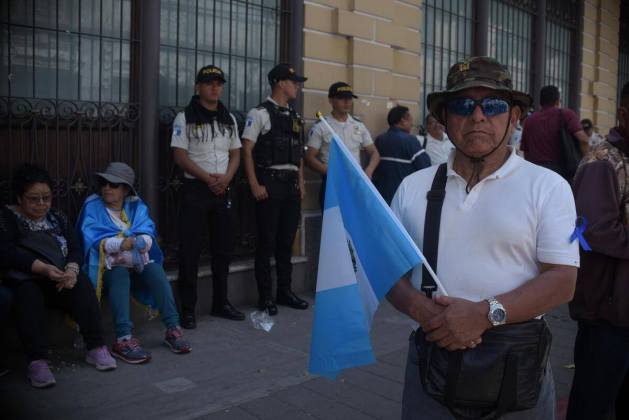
(100, 359)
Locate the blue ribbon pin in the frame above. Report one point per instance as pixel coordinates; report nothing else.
(580, 225)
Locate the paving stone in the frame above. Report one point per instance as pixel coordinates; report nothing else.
(237, 372)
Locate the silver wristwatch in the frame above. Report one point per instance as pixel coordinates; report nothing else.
(497, 314)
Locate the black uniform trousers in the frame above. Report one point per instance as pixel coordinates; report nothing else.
(324, 181)
(277, 218)
(199, 210)
(30, 300)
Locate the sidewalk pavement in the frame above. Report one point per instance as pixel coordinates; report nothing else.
(240, 373)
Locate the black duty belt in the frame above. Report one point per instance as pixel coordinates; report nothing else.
(279, 174)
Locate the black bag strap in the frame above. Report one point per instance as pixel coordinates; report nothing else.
(432, 224)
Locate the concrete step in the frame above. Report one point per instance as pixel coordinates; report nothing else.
(242, 291)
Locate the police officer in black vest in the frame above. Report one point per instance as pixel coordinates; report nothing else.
(272, 154)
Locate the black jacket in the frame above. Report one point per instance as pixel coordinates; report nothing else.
(12, 257)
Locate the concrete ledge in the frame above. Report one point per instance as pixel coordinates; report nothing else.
(234, 267)
(242, 288)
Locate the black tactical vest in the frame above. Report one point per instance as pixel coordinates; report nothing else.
(283, 143)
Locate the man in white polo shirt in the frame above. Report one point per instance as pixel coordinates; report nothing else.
(350, 129)
(504, 254)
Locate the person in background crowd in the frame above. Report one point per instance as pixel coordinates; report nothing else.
(400, 153)
(601, 300)
(436, 142)
(122, 257)
(273, 158)
(541, 139)
(350, 129)
(588, 127)
(41, 257)
(206, 146)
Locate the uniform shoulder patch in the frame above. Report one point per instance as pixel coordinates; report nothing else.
(357, 119)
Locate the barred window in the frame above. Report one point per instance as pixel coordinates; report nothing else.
(447, 39)
(241, 37)
(66, 49)
(511, 39)
(561, 25)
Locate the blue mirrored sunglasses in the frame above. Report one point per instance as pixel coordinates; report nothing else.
(466, 106)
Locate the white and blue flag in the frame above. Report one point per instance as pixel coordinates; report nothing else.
(364, 251)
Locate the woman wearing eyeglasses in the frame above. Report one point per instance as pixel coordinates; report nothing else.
(123, 259)
(40, 256)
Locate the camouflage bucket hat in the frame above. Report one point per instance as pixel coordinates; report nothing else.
(477, 72)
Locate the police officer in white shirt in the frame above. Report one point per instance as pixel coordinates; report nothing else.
(350, 129)
(206, 146)
(273, 158)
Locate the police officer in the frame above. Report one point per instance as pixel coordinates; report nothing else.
(272, 154)
(350, 129)
(206, 146)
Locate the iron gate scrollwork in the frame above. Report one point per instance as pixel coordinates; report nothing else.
(71, 139)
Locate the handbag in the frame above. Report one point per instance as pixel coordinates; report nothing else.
(504, 373)
(42, 246)
(570, 151)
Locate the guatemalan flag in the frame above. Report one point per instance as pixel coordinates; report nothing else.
(364, 252)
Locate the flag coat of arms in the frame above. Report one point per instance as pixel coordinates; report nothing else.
(364, 251)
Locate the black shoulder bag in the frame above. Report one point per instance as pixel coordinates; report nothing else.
(570, 151)
(41, 245)
(502, 374)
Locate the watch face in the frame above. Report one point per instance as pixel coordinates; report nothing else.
(498, 315)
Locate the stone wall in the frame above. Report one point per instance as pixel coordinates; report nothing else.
(372, 44)
(599, 77)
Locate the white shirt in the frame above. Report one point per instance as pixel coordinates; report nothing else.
(115, 256)
(438, 150)
(210, 153)
(493, 239)
(353, 133)
(595, 139)
(259, 123)
(516, 137)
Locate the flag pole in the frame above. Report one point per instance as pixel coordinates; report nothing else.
(440, 287)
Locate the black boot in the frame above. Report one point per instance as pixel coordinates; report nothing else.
(188, 320)
(286, 297)
(268, 305)
(227, 310)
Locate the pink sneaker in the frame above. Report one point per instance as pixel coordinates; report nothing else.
(100, 358)
(40, 375)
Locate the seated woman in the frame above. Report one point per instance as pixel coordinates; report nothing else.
(6, 297)
(40, 255)
(122, 258)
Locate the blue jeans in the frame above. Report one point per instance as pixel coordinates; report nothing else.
(118, 283)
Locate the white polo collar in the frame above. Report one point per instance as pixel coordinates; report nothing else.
(511, 164)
